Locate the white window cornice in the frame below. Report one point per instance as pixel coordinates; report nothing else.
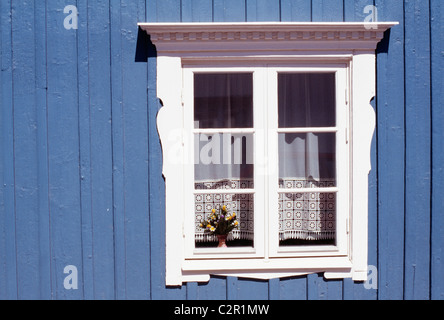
(225, 37)
(182, 44)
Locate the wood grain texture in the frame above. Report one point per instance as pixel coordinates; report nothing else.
(437, 86)
(391, 154)
(8, 248)
(418, 150)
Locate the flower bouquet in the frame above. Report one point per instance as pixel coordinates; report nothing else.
(220, 224)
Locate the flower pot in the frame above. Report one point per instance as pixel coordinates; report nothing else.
(222, 241)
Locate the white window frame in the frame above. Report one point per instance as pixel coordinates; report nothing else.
(342, 159)
(259, 151)
(218, 45)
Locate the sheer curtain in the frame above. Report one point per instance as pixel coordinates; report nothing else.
(306, 160)
(224, 160)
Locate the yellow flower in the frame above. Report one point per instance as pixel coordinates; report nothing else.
(213, 211)
(208, 225)
(212, 228)
(224, 208)
(236, 223)
(234, 214)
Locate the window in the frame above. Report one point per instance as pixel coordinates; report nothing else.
(274, 122)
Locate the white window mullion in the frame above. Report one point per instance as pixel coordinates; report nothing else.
(273, 160)
(259, 107)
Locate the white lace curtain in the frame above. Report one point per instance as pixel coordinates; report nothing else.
(306, 160)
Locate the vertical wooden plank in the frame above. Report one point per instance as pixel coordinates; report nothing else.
(8, 253)
(85, 150)
(249, 289)
(197, 10)
(63, 150)
(163, 10)
(391, 153)
(192, 291)
(101, 148)
(320, 289)
(418, 150)
(215, 289)
(296, 10)
(232, 288)
(274, 289)
(316, 287)
(263, 10)
(117, 124)
(2, 198)
(25, 151)
(229, 10)
(42, 151)
(437, 251)
(136, 148)
(293, 288)
(354, 10)
(327, 10)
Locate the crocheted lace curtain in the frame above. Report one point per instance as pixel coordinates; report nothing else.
(306, 160)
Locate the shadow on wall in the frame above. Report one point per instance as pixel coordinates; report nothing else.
(145, 48)
(383, 45)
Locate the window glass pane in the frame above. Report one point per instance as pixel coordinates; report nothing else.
(307, 218)
(307, 160)
(306, 100)
(223, 100)
(239, 207)
(223, 161)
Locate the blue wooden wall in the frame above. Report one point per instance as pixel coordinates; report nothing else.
(80, 160)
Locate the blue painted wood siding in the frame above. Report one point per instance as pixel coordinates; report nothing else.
(80, 159)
